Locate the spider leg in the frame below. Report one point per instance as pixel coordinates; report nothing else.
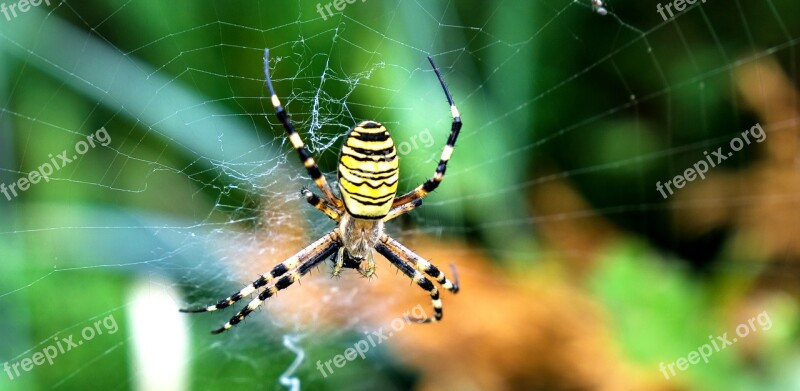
(303, 261)
(402, 209)
(432, 183)
(320, 204)
(421, 264)
(266, 278)
(411, 272)
(316, 254)
(297, 142)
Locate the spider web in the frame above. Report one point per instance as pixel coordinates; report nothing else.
(184, 103)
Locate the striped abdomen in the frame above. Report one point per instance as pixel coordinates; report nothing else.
(368, 171)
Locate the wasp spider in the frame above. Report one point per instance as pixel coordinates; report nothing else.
(368, 173)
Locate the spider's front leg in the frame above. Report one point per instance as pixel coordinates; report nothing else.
(400, 204)
(308, 161)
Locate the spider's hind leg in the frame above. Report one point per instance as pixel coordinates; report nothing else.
(423, 265)
(281, 277)
(395, 254)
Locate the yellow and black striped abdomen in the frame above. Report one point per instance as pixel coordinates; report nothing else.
(368, 171)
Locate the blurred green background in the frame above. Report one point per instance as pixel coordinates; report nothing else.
(571, 118)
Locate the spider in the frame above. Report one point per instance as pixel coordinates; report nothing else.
(367, 175)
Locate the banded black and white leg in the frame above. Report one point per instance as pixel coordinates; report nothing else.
(283, 275)
(422, 264)
(297, 142)
(322, 205)
(397, 211)
(398, 255)
(432, 183)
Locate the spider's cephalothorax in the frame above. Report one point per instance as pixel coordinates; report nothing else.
(368, 174)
